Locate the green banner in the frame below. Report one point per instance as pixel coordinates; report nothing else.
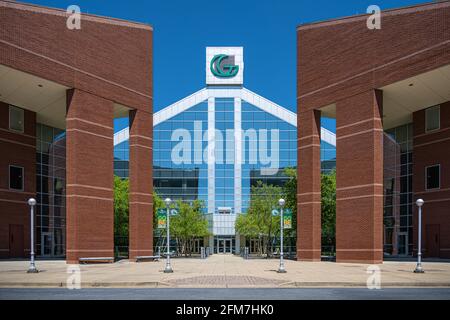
(287, 217)
(161, 218)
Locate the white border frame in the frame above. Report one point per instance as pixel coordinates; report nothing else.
(242, 93)
(426, 177)
(238, 53)
(438, 106)
(9, 178)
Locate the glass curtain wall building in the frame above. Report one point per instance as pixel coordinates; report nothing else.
(214, 145)
(218, 142)
(398, 195)
(51, 195)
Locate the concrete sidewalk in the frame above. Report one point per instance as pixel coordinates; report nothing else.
(224, 271)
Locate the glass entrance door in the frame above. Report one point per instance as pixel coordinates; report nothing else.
(224, 245)
(46, 244)
(254, 246)
(227, 247)
(220, 246)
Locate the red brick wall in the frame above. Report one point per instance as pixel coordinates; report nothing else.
(107, 57)
(391, 177)
(141, 186)
(359, 179)
(108, 61)
(429, 149)
(89, 172)
(343, 57)
(16, 149)
(341, 61)
(309, 229)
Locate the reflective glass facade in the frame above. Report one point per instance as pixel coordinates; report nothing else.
(186, 177)
(121, 159)
(215, 151)
(276, 139)
(398, 196)
(225, 159)
(224, 184)
(182, 176)
(328, 157)
(51, 191)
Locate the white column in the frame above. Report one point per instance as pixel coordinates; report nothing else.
(237, 163)
(211, 244)
(211, 156)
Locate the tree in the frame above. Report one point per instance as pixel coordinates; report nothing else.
(120, 207)
(188, 224)
(328, 193)
(328, 197)
(120, 216)
(259, 222)
(290, 189)
(158, 203)
(121, 210)
(290, 192)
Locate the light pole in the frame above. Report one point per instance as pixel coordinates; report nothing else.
(168, 268)
(419, 269)
(281, 269)
(32, 268)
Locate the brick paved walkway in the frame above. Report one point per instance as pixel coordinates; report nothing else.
(226, 281)
(224, 271)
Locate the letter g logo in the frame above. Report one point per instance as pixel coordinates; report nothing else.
(222, 69)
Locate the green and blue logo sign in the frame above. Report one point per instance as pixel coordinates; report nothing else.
(222, 66)
(287, 217)
(161, 218)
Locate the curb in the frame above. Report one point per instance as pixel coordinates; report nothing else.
(288, 285)
(150, 284)
(364, 285)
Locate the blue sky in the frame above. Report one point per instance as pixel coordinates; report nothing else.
(265, 28)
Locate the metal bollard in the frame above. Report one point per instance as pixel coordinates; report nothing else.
(202, 253)
(246, 251)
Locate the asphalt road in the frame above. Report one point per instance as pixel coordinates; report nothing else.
(226, 294)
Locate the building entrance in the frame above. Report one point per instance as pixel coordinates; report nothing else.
(254, 246)
(224, 244)
(46, 244)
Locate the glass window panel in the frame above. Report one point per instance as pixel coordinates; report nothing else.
(16, 178)
(432, 118)
(433, 177)
(16, 119)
